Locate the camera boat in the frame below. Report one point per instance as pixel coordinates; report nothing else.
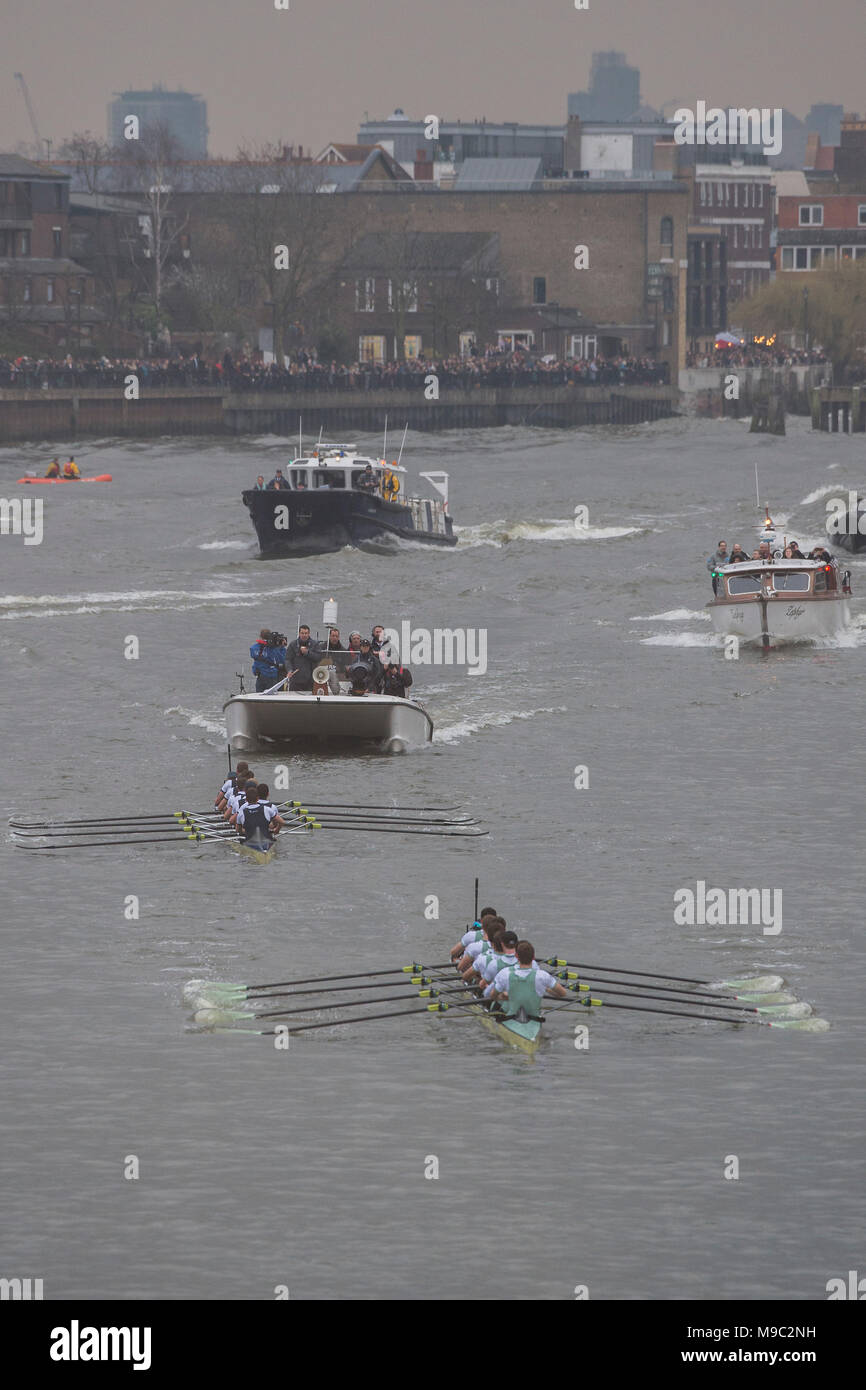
(336, 497)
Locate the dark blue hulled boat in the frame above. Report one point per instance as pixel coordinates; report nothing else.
(336, 497)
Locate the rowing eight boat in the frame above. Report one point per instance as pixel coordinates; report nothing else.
(258, 851)
(526, 1036)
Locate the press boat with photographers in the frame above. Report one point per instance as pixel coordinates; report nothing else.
(335, 496)
(339, 709)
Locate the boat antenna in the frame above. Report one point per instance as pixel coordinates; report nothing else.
(757, 490)
(300, 437)
(402, 442)
(385, 440)
(229, 751)
(319, 440)
(475, 918)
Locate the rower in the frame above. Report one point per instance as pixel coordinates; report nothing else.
(236, 798)
(258, 819)
(53, 469)
(71, 469)
(230, 784)
(474, 962)
(473, 933)
(524, 984)
(505, 958)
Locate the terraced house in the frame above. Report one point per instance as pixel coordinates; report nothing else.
(44, 292)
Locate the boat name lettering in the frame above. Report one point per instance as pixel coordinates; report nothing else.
(794, 610)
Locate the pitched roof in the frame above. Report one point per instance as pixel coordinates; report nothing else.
(520, 172)
(14, 166)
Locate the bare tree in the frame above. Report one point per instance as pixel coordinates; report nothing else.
(157, 161)
(283, 229)
(89, 156)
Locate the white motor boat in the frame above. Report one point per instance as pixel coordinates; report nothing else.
(776, 600)
(393, 723)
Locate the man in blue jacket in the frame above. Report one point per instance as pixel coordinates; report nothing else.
(269, 660)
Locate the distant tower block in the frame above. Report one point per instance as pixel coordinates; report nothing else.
(183, 113)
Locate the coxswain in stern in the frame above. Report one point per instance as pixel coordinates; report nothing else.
(521, 987)
(258, 820)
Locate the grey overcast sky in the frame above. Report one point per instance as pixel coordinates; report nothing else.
(309, 74)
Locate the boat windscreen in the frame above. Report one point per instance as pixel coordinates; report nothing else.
(792, 583)
(743, 584)
(329, 477)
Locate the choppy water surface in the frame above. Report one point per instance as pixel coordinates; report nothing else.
(601, 1167)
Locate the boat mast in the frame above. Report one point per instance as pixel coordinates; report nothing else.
(402, 442)
(385, 442)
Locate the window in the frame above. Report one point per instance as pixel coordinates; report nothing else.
(736, 195)
(371, 347)
(365, 296)
(539, 290)
(852, 253)
(467, 343)
(668, 295)
(743, 584)
(492, 285)
(57, 234)
(801, 258)
(703, 195)
(298, 478)
(666, 234)
(811, 214)
(24, 244)
(861, 215)
(410, 296)
(412, 346)
(760, 195)
(590, 345)
(329, 477)
(49, 291)
(666, 332)
(797, 583)
(27, 291)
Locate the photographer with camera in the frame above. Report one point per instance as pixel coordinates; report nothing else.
(269, 659)
(301, 658)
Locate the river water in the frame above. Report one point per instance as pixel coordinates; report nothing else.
(602, 1167)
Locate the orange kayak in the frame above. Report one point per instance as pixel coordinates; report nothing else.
(101, 478)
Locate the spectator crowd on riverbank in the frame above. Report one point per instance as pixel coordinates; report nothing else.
(755, 357)
(306, 373)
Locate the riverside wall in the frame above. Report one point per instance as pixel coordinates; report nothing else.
(72, 413)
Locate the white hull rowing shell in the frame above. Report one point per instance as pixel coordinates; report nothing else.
(387, 720)
(790, 618)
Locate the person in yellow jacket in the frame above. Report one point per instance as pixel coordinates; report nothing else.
(53, 469)
(71, 469)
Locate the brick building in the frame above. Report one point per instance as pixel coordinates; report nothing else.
(44, 293)
(820, 229)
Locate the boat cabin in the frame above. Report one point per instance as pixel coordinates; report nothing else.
(340, 468)
(805, 578)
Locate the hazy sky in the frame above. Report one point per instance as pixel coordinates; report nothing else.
(309, 74)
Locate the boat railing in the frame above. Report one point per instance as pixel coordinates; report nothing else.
(428, 514)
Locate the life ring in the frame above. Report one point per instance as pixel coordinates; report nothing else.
(390, 486)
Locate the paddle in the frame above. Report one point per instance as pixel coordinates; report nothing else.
(413, 969)
(643, 974)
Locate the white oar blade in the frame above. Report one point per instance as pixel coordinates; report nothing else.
(757, 983)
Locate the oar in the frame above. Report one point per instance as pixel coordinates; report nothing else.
(403, 830)
(358, 806)
(436, 1008)
(112, 843)
(235, 1014)
(601, 983)
(643, 974)
(414, 969)
(676, 1013)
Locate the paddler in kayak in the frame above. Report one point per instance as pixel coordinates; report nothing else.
(71, 469)
(53, 469)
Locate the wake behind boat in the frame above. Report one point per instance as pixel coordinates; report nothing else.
(335, 496)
